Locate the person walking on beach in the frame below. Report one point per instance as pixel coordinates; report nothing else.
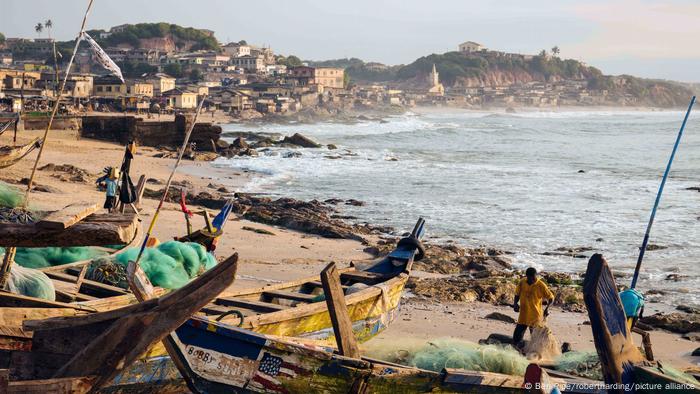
(528, 301)
(110, 181)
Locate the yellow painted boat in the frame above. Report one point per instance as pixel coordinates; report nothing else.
(10, 155)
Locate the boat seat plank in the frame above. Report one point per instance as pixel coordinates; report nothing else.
(250, 304)
(289, 295)
(369, 278)
(88, 284)
(214, 310)
(317, 283)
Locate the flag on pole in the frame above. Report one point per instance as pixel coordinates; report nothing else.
(102, 57)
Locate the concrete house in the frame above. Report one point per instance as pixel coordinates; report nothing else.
(470, 46)
(161, 83)
(181, 99)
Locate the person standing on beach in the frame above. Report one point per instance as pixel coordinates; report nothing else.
(110, 181)
(528, 301)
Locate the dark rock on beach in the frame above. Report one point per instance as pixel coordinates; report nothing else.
(500, 317)
(300, 140)
(68, 172)
(681, 323)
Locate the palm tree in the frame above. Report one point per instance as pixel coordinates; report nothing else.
(39, 28)
(555, 50)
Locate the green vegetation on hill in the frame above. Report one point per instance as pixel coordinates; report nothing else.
(182, 36)
(453, 66)
(2, 38)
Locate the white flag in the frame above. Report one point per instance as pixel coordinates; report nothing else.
(103, 58)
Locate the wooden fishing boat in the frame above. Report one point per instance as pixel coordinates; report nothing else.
(293, 308)
(100, 345)
(9, 155)
(623, 365)
(217, 358)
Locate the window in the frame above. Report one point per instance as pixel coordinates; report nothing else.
(109, 89)
(99, 88)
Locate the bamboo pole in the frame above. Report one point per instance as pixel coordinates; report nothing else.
(170, 180)
(658, 196)
(55, 107)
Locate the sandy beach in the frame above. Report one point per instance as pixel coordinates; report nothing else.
(287, 254)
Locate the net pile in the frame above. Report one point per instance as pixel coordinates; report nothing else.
(543, 345)
(171, 264)
(30, 282)
(584, 364)
(10, 196)
(51, 256)
(452, 353)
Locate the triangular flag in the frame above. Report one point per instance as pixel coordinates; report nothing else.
(103, 58)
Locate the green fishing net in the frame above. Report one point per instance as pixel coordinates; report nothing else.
(452, 353)
(10, 196)
(171, 264)
(30, 282)
(51, 256)
(584, 364)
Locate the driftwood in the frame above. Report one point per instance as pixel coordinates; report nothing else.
(94, 230)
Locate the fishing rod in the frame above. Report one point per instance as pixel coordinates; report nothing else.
(658, 195)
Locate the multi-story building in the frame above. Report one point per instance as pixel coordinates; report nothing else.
(235, 49)
(329, 77)
(251, 64)
(181, 99)
(161, 83)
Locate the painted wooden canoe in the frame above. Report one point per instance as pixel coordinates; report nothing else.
(100, 345)
(10, 155)
(624, 367)
(217, 358)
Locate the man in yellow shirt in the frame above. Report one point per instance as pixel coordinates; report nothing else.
(528, 301)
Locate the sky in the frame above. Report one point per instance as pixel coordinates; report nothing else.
(654, 39)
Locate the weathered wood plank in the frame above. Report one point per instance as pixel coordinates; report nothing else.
(95, 230)
(337, 308)
(66, 217)
(88, 284)
(251, 304)
(16, 300)
(289, 295)
(369, 278)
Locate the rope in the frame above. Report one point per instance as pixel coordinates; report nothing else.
(170, 180)
(55, 107)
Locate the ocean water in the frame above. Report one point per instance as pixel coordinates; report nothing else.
(513, 181)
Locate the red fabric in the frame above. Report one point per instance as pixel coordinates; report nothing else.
(182, 204)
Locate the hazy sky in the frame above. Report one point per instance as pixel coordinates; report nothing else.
(641, 37)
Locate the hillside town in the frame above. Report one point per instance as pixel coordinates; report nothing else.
(245, 81)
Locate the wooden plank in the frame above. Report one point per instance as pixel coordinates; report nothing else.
(16, 300)
(95, 230)
(317, 283)
(66, 217)
(77, 385)
(250, 304)
(369, 278)
(338, 311)
(88, 284)
(290, 295)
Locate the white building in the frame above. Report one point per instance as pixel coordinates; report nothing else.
(470, 46)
